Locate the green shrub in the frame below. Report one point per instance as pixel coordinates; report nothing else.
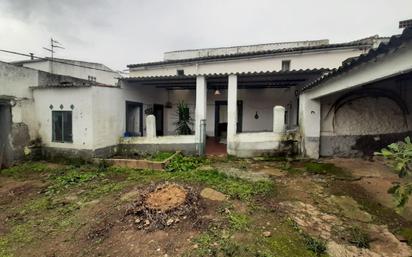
(400, 156)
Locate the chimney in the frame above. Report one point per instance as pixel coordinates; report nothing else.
(405, 24)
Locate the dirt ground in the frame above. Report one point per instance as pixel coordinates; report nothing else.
(248, 207)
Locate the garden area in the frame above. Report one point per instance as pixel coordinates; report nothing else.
(217, 206)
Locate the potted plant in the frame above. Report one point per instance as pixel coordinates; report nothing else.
(184, 122)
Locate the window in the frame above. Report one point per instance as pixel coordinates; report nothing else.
(285, 65)
(91, 78)
(180, 72)
(62, 126)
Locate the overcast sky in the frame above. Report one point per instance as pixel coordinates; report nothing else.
(121, 32)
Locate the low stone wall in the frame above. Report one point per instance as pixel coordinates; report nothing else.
(86, 154)
(255, 144)
(131, 145)
(355, 146)
(141, 164)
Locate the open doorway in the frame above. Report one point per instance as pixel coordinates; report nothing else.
(221, 119)
(134, 119)
(217, 145)
(5, 129)
(158, 113)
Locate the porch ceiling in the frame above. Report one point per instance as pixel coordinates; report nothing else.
(249, 80)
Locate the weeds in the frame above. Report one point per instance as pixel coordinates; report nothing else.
(160, 156)
(184, 163)
(238, 221)
(358, 237)
(24, 169)
(315, 245)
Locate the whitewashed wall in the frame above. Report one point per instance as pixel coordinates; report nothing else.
(309, 60)
(109, 110)
(82, 118)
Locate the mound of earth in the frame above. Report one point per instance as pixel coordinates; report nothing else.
(163, 205)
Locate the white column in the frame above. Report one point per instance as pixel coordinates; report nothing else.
(231, 107)
(200, 113)
(151, 126)
(278, 119)
(309, 125)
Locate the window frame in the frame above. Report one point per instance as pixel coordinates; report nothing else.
(286, 62)
(63, 139)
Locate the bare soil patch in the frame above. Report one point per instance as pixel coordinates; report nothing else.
(163, 205)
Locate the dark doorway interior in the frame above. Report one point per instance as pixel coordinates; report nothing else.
(5, 129)
(134, 119)
(221, 118)
(158, 112)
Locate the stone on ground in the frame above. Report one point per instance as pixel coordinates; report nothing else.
(211, 194)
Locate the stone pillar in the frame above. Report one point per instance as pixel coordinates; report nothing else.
(200, 113)
(231, 107)
(309, 125)
(151, 126)
(279, 119)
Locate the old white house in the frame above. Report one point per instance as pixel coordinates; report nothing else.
(326, 99)
(247, 96)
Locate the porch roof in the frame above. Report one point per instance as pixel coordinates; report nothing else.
(246, 80)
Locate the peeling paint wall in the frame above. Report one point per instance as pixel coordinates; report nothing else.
(377, 120)
(5, 130)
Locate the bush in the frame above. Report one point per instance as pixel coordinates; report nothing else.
(400, 156)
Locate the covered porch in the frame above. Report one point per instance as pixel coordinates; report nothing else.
(242, 114)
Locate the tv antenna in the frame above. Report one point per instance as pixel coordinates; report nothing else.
(53, 44)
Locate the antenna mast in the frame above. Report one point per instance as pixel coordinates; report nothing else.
(53, 44)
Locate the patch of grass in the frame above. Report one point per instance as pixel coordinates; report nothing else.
(358, 237)
(236, 188)
(160, 156)
(315, 245)
(286, 166)
(238, 221)
(24, 169)
(325, 169)
(407, 234)
(101, 189)
(185, 163)
(72, 177)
